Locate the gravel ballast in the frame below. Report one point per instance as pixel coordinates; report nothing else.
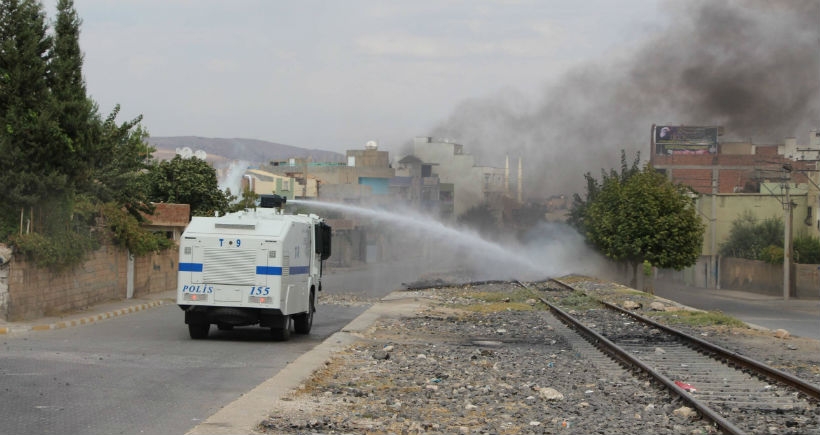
(474, 361)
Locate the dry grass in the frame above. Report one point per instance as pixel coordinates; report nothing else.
(696, 318)
(520, 299)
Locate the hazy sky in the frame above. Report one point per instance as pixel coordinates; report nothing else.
(335, 74)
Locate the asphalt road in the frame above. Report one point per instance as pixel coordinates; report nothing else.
(139, 373)
(801, 317)
(142, 374)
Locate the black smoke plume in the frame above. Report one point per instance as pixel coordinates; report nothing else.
(751, 66)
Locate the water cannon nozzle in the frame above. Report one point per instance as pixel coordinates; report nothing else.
(272, 201)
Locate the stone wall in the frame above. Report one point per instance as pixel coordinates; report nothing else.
(5, 258)
(4, 287)
(155, 273)
(35, 292)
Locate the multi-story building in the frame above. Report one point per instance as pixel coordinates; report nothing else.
(438, 178)
(730, 178)
(416, 185)
(264, 182)
(472, 185)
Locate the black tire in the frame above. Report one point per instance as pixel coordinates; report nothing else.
(199, 331)
(303, 322)
(281, 333)
(224, 327)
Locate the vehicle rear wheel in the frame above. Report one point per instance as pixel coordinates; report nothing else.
(303, 322)
(281, 332)
(199, 331)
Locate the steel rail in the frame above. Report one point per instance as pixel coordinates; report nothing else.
(772, 373)
(733, 357)
(622, 355)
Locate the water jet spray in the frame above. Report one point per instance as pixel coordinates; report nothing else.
(490, 258)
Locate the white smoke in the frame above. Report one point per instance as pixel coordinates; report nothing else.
(230, 177)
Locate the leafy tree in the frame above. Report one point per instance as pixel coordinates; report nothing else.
(121, 163)
(638, 216)
(76, 113)
(247, 201)
(661, 221)
(807, 250)
(31, 143)
(522, 218)
(60, 161)
(751, 239)
(481, 218)
(188, 181)
(579, 206)
(128, 233)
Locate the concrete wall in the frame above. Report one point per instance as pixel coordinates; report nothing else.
(34, 292)
(4, 287)
(764, 278)
(728, 208)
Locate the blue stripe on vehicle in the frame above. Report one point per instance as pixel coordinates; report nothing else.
(299, 270)
(268, 270)
(190, 267)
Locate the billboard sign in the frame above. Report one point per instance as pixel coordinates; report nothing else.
(671, 140)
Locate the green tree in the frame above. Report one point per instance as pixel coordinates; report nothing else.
(188, 181)
(579, 206)
(32, 145)
(806, 249)
(480, 218)
(639, 216)
(751, 239)
(77, 114)
(246, 201)
(60, 162)
(659, 223)
(121, 164)
(127, 232)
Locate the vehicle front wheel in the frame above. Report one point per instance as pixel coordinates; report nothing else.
(199, 331)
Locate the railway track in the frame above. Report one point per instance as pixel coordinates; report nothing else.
(738, 394)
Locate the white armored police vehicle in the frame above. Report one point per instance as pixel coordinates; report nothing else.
(252, 267)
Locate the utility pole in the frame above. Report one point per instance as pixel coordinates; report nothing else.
(787, 242)
(714, 265)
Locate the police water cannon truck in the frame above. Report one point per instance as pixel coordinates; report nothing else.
(254, 267)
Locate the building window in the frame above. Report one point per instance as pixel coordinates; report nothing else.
(426, 170)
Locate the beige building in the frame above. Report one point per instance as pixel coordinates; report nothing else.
(472, 185)
(719, 211)
(366, 174)
(264, 182)
(730, 178)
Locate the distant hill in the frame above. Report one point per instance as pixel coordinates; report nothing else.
(249, 150)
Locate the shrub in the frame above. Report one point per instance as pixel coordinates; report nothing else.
(749, 238)
(129, 234)
(807, 250)
(57, 251)
(771, 254)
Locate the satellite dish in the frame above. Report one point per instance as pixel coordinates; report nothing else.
(185, 152)
(371, 145)
(200, 154)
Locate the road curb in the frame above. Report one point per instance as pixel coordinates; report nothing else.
(93, 318)
(243, 415)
